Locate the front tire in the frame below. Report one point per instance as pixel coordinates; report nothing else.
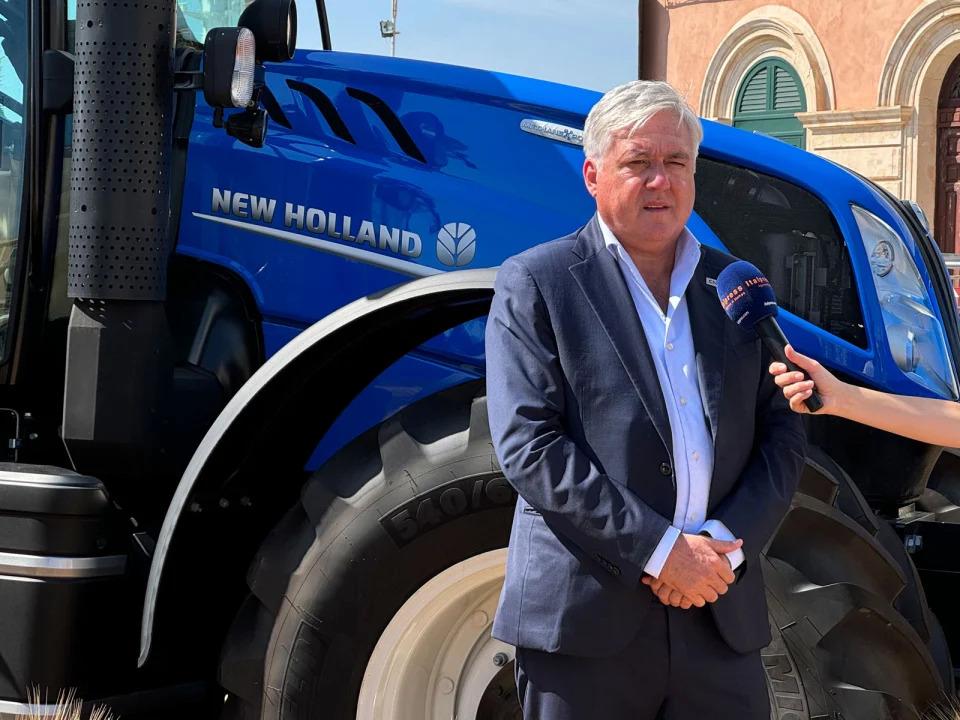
(395, 509)
(374, 596)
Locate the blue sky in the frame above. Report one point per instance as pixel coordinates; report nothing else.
(589, 43)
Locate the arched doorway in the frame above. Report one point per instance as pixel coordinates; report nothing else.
(948, 160)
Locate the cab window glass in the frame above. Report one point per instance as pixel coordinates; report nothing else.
(196, 17)
(791, 235)
(14, 61)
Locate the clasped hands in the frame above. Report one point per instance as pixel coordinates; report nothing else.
(696, 572)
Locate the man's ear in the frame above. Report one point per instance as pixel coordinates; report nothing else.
(590, 176)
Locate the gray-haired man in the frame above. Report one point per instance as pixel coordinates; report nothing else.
(653, 455)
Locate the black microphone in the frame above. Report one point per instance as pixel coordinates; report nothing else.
(749, 300)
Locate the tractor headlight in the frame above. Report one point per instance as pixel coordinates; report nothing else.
(914, 334)
(229, 56)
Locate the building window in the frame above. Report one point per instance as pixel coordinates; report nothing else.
(768, 101)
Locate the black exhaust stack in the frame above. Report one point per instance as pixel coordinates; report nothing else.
(119, 360)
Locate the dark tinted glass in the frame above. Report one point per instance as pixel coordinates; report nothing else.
(791, 236)
(14, 64)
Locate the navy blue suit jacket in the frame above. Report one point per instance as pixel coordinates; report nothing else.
(581, 430)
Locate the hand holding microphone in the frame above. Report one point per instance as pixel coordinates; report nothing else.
(749, 300)
(797, 386)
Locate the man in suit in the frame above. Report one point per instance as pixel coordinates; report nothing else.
(652, 452)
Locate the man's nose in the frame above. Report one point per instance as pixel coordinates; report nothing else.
(657, 177)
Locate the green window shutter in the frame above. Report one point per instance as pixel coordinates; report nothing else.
(768, 100)
(754, 96)
(786, 91)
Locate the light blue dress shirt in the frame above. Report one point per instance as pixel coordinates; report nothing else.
(671, 343)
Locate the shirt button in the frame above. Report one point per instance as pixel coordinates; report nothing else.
(669, 346)
(665, 469)
(695, 455)
(683, 401)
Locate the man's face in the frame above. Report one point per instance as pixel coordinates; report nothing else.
(644, 184)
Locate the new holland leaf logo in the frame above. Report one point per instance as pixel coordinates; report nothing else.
(456, 244)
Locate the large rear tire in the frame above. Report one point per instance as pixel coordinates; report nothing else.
(373, 597)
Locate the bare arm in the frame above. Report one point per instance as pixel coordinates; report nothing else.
(925, 419)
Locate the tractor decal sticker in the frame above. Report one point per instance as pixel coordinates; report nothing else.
(456, 244)
(376, 244)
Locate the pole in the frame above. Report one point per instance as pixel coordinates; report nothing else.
(640, 39)
(654, 39)
(393, 37)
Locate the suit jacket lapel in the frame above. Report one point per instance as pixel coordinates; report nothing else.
(601, 281)
(708, 324)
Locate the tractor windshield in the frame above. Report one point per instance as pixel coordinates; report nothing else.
(196, 17)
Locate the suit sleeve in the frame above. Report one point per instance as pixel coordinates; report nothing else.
(525, 401)
(761, 498)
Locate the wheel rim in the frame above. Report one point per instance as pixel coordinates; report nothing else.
(436, 658)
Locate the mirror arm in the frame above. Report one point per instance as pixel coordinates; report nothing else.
(184, 80)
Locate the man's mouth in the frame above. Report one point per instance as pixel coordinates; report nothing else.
(656, 207)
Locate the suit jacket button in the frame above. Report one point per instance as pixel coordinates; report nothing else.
(610, 567)
(665, 469)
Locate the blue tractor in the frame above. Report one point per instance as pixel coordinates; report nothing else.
(243, 379)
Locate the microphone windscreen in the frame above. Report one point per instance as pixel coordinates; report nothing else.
(745, 294)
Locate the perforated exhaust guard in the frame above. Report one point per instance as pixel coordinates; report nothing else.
(120, 184)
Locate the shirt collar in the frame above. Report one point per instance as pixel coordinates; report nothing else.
(685, 261)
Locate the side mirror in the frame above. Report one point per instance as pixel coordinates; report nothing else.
(274, 25)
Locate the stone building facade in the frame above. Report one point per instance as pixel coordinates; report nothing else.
(871, 84)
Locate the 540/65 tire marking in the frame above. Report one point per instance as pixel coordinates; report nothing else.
(444, 503)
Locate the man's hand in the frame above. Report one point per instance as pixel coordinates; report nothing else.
(670, 595)
(667, 595)
(697, 571)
